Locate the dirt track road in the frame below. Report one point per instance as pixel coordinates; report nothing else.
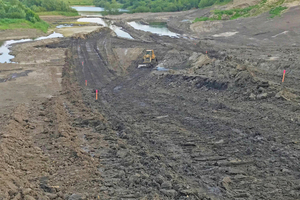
(179, 136)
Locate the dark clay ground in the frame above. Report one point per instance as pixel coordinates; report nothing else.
(226, 131)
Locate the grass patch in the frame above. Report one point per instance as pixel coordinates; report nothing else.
(277, 11)
(69, 14)
(158, 24)
(22, 24)
(80, 2)
(202, 19)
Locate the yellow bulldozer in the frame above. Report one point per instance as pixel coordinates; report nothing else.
(149, 59)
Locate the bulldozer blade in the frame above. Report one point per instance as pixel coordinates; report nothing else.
(142, 65)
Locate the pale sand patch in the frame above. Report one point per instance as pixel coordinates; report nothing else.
(226, 34)
(283, 33)
(69, 31)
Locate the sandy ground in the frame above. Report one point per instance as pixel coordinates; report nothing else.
(43, 79)
(20, 34)
(67, 32)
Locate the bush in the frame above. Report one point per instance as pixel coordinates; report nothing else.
(15, 12)
(277, 11)
(31, 16)
(206, 3)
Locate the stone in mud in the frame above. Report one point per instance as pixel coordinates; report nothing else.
(252, 96)
(262, 96)
(122, 153)
(226, 182)
(159, 179)
(166, 185)
(76, 197)
(169, 193)
(51, 196)
(27, 197)
(26, 191)
(260, 89)
(278, 95)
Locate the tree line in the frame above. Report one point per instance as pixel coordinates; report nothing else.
(155, 5)
(26, 9)
(48, 5)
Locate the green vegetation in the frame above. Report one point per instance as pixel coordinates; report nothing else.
(111, 7)
(80, 2)
(155, 5)
(13, 9)
(201, 19)
(22, 23)
(49, 5)
(245, 12)
(58, 13)
(277, 11)
(23, 13)
(14, 14)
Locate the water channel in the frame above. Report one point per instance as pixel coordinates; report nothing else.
(5, 57)
(89, 11)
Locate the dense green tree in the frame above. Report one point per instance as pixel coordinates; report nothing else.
(16, 11)
(21, 9)
(160, 5)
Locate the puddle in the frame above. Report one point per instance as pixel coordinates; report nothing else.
(63, 26)
(161, 69)
(187, 20)
(92, 11)
(116, 29)
(118, 88)
(15, 75)
(5, 57)
(156, 29)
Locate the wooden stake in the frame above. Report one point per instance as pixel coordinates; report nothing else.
(85, 82)
(96, 94)
(283, 75)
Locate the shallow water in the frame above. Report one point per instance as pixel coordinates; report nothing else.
(91, 11)
(116, 29)
(161, 69)
(156, 29)
(5, 57)
(64, 26)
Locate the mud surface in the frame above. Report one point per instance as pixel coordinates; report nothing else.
(218, 123)
(217, 128)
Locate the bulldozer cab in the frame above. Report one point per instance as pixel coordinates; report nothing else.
(149, 56)
(149, 59)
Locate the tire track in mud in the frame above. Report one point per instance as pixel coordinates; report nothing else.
(180, 140)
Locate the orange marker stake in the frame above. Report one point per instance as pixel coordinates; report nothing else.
(82, 63)
(85, 82)
(206, 52)
(283, 75)
(96, 94)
